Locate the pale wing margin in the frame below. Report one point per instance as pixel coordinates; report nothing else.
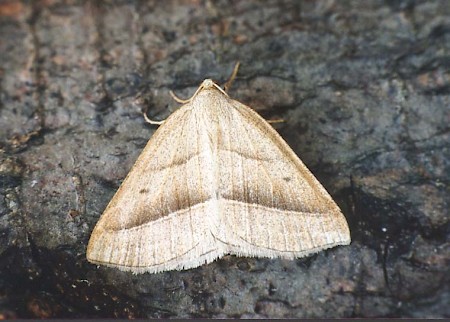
(178, 241)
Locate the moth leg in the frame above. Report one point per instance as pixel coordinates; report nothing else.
(276, 121)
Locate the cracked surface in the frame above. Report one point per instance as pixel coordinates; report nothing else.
(364, 89)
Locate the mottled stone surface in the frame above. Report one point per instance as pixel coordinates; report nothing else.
(364, 87)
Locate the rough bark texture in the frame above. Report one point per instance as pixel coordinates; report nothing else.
(364, 87)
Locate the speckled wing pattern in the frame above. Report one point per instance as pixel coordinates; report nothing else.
(215, 179)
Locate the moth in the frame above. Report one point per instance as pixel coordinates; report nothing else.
(215, 179)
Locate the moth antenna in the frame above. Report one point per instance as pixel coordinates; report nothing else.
(230, 80)
(148, 120)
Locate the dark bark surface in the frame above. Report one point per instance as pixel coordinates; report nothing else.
(364, 87)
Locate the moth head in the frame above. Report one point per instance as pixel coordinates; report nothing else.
(209, 84)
